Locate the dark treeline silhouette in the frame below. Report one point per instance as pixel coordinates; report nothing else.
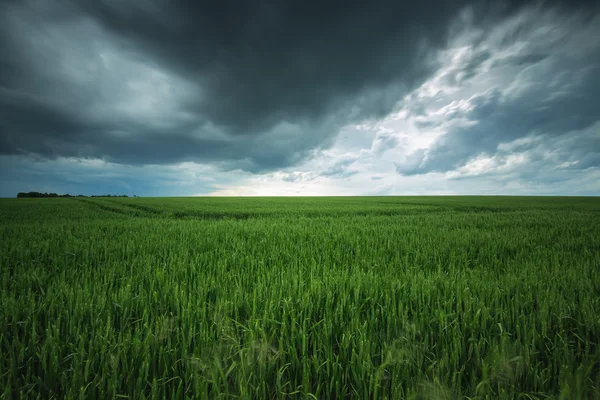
(38, 195)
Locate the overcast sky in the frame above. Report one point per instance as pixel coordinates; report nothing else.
(185, 97)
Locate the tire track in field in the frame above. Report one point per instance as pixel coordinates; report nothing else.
(216, 215)
(137, 210)
(461, 208)
(139, 207)
(105, 207)
(144, 211)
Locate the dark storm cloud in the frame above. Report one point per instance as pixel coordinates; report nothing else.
(262, 62)
(555, 98)
(248, 84)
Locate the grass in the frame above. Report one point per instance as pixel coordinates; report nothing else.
(389, 297)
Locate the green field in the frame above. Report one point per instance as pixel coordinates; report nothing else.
(356, 297)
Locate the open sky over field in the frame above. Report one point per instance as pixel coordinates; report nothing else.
(183, 97)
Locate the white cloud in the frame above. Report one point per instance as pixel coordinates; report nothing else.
(508, 59)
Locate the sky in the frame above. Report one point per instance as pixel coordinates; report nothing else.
(294, 98)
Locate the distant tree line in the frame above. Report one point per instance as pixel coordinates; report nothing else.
(38, 195)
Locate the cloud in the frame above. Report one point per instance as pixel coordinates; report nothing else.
(339, 168)
(250, 85)
(246, 85)
(384, 142)
(545, 78)
(362, 98)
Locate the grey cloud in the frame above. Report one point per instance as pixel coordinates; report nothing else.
(298, 177)
(412, 163)
(339, 168)
(519, 60)
(290, 178)
(468, 69)
(551, 98)
(550, 162)
(383, 143)
(252, 85)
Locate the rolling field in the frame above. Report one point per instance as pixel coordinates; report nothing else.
(357, 297)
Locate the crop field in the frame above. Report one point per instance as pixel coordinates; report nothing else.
(322, 298)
